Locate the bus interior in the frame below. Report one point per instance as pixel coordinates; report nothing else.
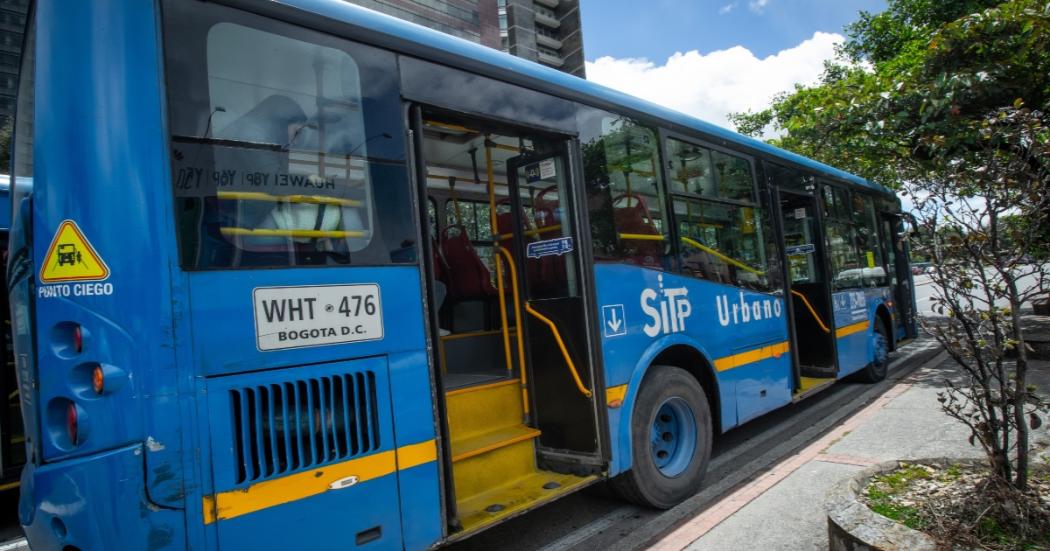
(502, 247)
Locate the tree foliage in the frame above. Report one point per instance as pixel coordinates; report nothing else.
(947, 101)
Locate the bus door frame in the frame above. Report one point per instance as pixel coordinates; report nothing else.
(568, 150)
(418, 170)
(778, 194)
(904, 290)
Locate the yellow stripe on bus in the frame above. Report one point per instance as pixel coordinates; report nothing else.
(614, 395)
(270, 493)
(851, 329)
(751, 356)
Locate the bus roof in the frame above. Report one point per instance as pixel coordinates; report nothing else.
(386, 29)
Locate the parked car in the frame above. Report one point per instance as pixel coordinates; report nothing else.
(918, 268)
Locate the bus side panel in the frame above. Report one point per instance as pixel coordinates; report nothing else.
(420, 488)
(854, 313)
(100, 159)
(95, 513)
(748, 350)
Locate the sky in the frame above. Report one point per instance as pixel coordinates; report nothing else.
(709, 58)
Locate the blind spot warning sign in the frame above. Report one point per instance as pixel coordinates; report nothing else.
(72, 258)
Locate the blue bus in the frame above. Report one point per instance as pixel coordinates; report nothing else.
(295, 274)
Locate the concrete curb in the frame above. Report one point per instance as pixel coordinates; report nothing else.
(853, 526)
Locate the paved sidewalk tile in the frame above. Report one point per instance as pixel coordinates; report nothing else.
(788, 513)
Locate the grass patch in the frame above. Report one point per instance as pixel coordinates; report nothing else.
(884, 488)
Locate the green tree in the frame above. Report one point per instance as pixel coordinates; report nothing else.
(947, 101)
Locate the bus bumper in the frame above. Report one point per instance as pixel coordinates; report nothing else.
(95, 502)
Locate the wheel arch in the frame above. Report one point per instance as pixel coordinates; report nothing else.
(679, 351)
(883, 313)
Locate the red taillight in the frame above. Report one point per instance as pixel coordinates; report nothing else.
(78, 339)
(71, 422)
(98, 379)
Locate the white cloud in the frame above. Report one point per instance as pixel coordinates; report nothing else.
(726, 8)
(710, 86)
(757, 5)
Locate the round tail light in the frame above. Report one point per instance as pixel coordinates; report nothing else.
(98, 380)
(71, 422)
(78, 339)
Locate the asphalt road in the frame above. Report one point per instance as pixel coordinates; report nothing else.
(594, 519)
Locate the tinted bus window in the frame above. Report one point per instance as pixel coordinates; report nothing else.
(723, 232)
(287, 145)
(624, 192)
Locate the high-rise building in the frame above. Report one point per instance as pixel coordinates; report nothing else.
(545, 31)
(12, 25)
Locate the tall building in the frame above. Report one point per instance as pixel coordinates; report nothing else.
(12, 25)
(545, 31)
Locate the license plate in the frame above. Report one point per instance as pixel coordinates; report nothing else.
(317, 315)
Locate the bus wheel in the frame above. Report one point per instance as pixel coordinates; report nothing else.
(671, 433)
(876, 370)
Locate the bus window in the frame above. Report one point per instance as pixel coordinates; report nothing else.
(873, 269)
(288, 152)
(624, 192)
(721, 229)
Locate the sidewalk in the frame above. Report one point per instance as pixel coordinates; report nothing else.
(784, 508)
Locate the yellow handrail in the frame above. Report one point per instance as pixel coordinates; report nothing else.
(273, 232)
(721, 256)
(820, 322)
(693, 243)
(533, 233)
(642, 236)
(561, 346)
(308, 199)
(518, 334)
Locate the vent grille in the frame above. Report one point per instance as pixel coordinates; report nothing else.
(285, 427)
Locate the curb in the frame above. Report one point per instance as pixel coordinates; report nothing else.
(853, 526)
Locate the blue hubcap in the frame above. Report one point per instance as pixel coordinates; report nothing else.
(673, 437)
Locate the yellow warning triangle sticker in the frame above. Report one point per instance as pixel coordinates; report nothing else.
(71, 257)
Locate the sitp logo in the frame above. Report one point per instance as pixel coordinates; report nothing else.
(666, 308)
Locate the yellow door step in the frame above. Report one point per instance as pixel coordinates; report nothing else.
(811, 385)
(476, 410)
(513, 498)
(488, 441)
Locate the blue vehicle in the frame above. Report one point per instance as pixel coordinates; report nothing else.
(294, 274)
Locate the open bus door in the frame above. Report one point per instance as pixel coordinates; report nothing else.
(507, 295)
(894, 229)
(813, 345)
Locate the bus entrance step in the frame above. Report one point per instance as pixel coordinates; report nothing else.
(485, 442)
(514, 497)
(481, 409)
(810, 386)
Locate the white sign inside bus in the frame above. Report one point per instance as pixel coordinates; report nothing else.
(316, 315)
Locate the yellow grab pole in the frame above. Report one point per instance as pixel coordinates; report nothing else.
(561, 346)
(517, 316)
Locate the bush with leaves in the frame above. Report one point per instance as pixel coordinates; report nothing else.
(948, 102)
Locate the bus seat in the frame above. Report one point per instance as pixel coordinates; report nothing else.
(469, 278)
(546, 214)
(635, 219)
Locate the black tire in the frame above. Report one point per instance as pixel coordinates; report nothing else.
(645, 484)
(876, 370)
